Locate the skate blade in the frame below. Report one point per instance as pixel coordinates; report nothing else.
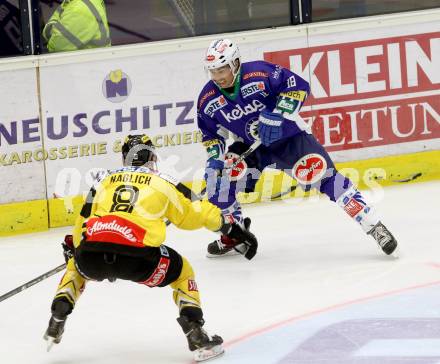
(207, 354)
(396, 253)
(230, 253)
(50, 343)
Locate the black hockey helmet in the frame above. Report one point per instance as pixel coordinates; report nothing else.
(138, 150)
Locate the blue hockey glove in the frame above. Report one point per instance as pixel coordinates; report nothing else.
(213, 168)
(213, 173)
(270, 127)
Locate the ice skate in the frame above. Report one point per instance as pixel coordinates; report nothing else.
(221, 247)
(224, 246)
(204, 346)
(385, 239)
(54, 332)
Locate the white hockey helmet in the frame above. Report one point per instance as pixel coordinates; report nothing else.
(222, 52)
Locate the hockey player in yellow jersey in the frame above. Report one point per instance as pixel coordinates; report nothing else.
(120, 234)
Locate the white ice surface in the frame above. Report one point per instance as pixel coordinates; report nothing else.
(311, 257)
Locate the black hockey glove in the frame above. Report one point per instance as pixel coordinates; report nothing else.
(247, 243)
(68, 248)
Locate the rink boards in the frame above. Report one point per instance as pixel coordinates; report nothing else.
(374, 105)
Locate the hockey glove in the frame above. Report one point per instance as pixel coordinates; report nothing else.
(243, 237)
(213, 172)
(68, 248)
(270, 127)
(213, 168)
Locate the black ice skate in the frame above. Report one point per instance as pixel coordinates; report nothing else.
(221, 247)
(384, 238)
(225, 246)
(204, 346)
(54, 332)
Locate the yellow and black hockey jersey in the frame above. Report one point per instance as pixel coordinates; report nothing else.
(129, 206)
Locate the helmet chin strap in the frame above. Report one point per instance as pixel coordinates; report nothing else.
(235, 75)
(233, 66)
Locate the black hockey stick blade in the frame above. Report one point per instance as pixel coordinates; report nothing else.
(283, 193)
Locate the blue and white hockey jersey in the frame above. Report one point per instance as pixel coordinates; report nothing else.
(261, 85)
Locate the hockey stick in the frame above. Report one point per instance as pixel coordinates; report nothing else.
(189, 193)
(243, 156)
(32, 282)
(283, 193)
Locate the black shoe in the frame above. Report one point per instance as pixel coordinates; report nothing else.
(204, 346)
(54, 332)
(384, 238)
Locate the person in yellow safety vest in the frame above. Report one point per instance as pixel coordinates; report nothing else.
(77, 24)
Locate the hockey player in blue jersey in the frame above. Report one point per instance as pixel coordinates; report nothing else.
(261, 100)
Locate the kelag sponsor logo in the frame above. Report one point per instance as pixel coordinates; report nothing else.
(238, 111)
(370, 93)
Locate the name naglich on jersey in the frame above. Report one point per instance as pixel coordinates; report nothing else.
(132, 178)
